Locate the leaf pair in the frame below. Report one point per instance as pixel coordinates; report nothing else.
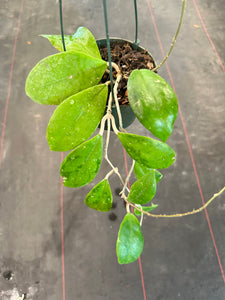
(144, 188)
(81, 166)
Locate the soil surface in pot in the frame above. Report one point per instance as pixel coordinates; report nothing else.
(128, 60)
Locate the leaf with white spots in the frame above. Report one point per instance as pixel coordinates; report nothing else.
(143, 190)
(153, 101)
(76, 118)
(100, 197)
(82, 165)
(130, 241)
(59, 76)
(147, 151)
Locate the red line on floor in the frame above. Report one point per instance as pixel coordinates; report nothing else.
(10, 81)
(142, 277)
(207, 33)
(62, 233)
(132, 210)
(189, 146)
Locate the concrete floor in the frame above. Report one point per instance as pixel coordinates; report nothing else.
(182, 258)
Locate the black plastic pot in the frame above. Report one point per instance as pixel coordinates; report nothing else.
(127, 114)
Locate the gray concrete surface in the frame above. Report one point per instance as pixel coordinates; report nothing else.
(179, 260)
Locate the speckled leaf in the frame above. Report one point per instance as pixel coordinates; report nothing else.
(140, 171)
(145, 208)
(59, 76)
(147, 151)
(82, 164)
(153, 101)
(81, 41)
(100, 197)
(130, 241)
(144, 189)
(76, 119)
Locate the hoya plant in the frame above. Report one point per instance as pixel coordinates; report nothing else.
(71, 80)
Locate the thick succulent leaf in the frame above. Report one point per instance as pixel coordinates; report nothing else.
(59, 76)
(82, 164)
(144, 189)
(130, 240)
(82, 41)
(100, 197)
(153, 101)
(145, 208)
(140, 171)
(76, 119)
(147, 151)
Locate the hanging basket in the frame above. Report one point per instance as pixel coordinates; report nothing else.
(116, 44)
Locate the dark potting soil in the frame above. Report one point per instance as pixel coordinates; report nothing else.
(128, 60)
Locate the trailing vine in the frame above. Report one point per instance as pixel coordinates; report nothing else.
(70, 79)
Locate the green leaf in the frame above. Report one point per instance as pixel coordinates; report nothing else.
(145, 208)
(147, 151)
(144, 189)
(82, 164)
(153, 101)
(76, 119)
(130, 241)
(140, 171)
(82, 41)
(100, 197)
(59, 76)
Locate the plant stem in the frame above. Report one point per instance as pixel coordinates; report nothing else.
(128, 207)
(102, 127)
(141, 220)
(175, 37)
(108, 44)
(108, 118)
(113, 124)
(110, 173)
(119, 76)
(109, 109)
(128, 177)
(194, 211)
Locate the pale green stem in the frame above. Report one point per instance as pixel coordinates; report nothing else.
(108, 117)
(117, 102)
(128, 208)
(110, 173)
(194, 211)
(110, 103)
(118, 78)
(142, 215)
(128, 177)
(175, 37)
(114, 125)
